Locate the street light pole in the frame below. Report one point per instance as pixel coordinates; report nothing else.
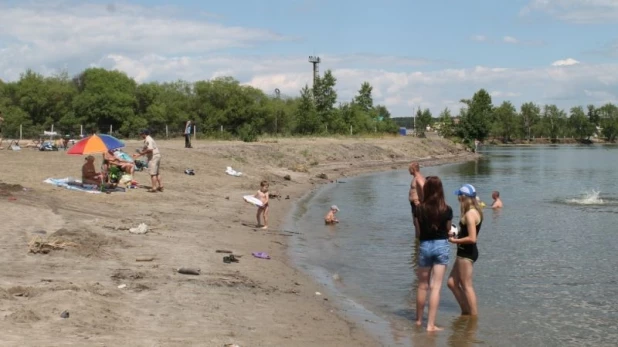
(278, 95)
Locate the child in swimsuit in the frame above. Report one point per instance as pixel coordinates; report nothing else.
(330, 216)
(262, 211)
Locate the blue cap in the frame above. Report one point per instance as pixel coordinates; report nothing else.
(466, 190)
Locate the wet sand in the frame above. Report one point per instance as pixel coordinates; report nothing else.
(254, 302)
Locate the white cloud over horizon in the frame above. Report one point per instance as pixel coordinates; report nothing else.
(575, 11)
(159, 44)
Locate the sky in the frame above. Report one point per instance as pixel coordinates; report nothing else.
(428, 54)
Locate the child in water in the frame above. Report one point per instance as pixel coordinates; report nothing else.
(262, 195)
(330, 216)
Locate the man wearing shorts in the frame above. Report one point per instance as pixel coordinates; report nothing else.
(416, 192)
(151, 151)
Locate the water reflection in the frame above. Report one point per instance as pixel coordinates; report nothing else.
(463, 332)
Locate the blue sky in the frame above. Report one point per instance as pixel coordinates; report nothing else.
(414, 53)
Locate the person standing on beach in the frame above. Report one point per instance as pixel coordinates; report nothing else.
(416, 192)
(262, 211)
(460, 279)
(434, 220)
(188, 127)
(151, 151)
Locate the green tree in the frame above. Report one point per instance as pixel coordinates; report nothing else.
(505, 120)
(530, 116)
(554, 120)
(446, 123)
(325, 97)
(593, 115)
(580, 124)
(423, 120)
(106, 98)
(364, 100)
(308, 121)
(608, 115)
(476, 121)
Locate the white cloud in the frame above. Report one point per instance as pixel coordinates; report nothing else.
(575, 11)
(510, 39)
(160, 44)
(507, 40)
(502, 95)
(565, 62)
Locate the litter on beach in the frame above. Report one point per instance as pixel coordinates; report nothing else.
(232, 172)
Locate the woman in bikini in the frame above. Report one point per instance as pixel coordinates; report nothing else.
(460, 279)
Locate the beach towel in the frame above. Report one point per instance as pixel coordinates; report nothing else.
(73, 184)
(232, 172)
(64, 183)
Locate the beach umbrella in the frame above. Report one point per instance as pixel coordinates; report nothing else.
(100, 143)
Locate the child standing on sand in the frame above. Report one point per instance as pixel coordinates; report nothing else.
(262, 195)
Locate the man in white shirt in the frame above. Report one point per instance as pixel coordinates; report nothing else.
(188, 126)
(151, 151)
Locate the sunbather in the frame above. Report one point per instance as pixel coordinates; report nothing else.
(89, 173)
(109, 159)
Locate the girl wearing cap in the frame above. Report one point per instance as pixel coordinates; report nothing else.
(460, 279)
(434, 221)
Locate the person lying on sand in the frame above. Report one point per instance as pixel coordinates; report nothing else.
(89, 173)
(330, 216)
(110, 159)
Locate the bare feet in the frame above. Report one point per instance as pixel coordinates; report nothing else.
(265, 227)
(419, 322)
(434, 328)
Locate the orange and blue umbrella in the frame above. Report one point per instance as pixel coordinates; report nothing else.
(100, 143)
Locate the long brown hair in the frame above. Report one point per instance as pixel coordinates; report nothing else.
(433, 205)
(468, 203)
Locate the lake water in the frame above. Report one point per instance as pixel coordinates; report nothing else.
(546, 275)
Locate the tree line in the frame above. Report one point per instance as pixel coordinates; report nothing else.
(99, 100)
(480, 119)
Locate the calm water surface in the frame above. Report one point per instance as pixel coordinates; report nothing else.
(546, 274)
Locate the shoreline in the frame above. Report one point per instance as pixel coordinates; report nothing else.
(254, 302)
(378, 327)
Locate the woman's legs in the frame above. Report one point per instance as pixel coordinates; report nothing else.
(423, 274)
(466, 271)
(454, 284)
(437, 275)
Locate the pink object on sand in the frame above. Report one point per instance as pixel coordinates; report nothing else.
(261, 255)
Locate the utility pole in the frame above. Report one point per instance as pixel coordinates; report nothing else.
(278, 95)
(316, 70)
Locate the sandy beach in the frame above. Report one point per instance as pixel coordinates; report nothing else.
(254, 302)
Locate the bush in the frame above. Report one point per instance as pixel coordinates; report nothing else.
(247, 133)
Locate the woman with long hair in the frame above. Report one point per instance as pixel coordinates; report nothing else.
(434, 221)
(460, 279)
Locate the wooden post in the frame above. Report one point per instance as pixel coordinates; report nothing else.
(167, 131)
(350, 130)
(110, 129)
(52, 128)
(20, 132)
(195, 132)
(81, 130)
(222, 129)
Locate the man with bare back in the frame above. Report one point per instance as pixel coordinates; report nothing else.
(416, 192)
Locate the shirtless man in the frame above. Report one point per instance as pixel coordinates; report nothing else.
(330, 216)
(89, 173)
(497, 204)
(416, 192)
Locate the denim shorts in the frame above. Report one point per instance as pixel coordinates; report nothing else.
(434, 252)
